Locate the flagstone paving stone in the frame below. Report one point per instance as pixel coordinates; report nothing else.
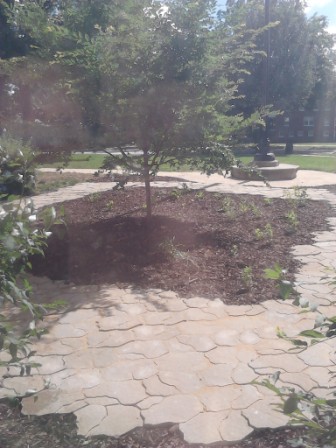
(234, 427)
(204, 428)
(119, 420)
(175, 409)
(123, 357)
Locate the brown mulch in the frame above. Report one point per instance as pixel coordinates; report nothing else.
(116, 177)
(196, 243)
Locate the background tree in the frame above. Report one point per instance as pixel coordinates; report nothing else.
(302, 53)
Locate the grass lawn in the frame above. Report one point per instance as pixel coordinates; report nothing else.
(319, 163)
(88, 161)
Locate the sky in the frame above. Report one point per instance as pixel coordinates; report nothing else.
(326, 8)
(321, 7)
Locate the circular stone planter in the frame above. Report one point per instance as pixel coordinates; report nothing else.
(280, 172)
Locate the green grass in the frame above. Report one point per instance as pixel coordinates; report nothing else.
(87, 161)
(317, 163)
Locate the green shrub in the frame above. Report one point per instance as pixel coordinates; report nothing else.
(17, 176)
(19, 239)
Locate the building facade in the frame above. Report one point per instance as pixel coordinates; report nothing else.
(305, 125)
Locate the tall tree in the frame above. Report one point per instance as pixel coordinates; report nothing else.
(302, 53)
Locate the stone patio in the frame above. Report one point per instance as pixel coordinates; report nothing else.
(122, 358)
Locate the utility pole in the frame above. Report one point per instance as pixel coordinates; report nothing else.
(264, 144)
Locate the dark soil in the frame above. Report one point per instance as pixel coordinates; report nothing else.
(116, 177)
(196, 243)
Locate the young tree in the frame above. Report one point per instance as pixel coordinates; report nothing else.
(168, 77)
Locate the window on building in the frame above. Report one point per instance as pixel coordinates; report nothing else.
(308, 121)
(286, 121)
(326, 133)
(310, 132)
(300, 133)
(326, 122)
(291, 133)
(281, 133)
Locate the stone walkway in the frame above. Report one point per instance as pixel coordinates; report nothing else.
(122, 358)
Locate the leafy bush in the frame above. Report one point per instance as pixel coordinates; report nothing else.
(16, 168)
(19, 239)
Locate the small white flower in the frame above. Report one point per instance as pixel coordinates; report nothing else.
(319, 320)
(303, 302)
(313, 306)
(32, 325)
(163, 11)
(32, 218)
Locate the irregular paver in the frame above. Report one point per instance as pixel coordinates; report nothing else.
(318, 355)
(234, 427)
(204, 428)
(249, 395)
(227, 337)
(219, 398)
(176, 409)
(154, 386)
(199, 342)
(287, 362)
(218, 375)
(264, 415)
(23, 385)
(243, 374)
(118, 421)
(126, 392)
(183, 362)
(89, 417)
(185, 382)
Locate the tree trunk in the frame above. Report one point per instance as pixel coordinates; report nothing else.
(147, 186)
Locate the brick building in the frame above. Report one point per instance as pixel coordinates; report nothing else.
(306, 125)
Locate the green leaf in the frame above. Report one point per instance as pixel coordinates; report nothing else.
(312, 334)
(285, 289)
(273, 274)
(13, 350)
(299, 343)
(291, 404)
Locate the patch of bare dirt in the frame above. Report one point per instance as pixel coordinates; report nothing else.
(196, 243)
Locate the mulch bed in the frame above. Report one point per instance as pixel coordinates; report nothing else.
(116, 177)
(196, 243)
